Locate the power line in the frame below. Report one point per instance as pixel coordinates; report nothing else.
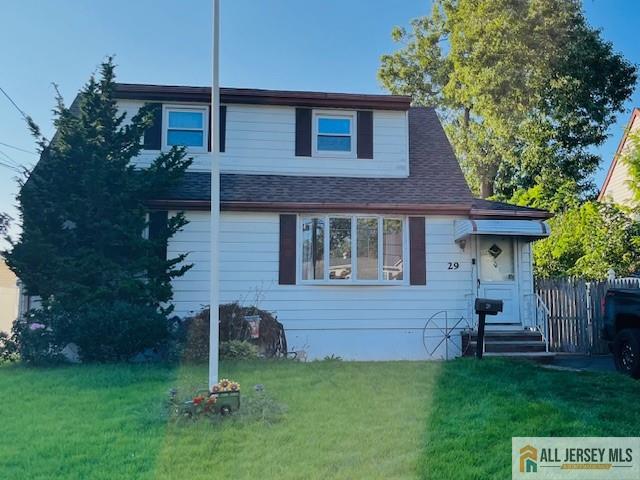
(18, 148)
(10, 167)
(8, 158)
(24, 115)
(11, 161)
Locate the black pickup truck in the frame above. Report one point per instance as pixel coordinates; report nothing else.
(621, 315)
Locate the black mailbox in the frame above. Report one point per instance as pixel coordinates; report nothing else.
(484, 307)
(488, 306)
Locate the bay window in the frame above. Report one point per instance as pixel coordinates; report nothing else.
(360, 249)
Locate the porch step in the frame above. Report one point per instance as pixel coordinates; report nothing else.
(503, 327)
(511, 336)
(510, 346)
(508, 343)
(540, 357)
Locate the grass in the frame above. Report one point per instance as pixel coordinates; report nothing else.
(343, 421)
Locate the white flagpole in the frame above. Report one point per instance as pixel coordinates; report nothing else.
(214, 331)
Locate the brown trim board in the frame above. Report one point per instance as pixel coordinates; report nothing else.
(173, 93)
(409, 209)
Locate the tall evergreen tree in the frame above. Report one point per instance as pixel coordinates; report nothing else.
(525, 87)
(84, 215)
(4, 223)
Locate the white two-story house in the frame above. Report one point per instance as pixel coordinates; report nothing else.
(347, 215)
(615, 188)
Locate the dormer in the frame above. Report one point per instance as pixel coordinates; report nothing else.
(279, 132)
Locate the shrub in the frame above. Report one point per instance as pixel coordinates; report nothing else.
(8, 348)
(102, 331)
(116, 331)
(238, 349)
(190, 341)
(34, 336)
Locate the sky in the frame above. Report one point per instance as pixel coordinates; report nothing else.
(328, 45)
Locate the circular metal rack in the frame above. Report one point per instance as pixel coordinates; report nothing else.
(441, 330)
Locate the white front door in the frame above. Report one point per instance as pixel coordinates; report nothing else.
(498, 276)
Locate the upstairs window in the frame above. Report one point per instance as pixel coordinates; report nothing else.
(334, 134)
(186, 127)
(360, 249)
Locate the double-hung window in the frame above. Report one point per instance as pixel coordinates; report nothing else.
(186, 127)
(334, 133)
(355, 249)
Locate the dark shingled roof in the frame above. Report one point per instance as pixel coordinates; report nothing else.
(435, 178)
(499, 207)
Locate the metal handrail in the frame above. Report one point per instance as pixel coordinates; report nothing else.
(540, 305)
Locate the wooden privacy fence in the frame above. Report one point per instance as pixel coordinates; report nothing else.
(575, 318)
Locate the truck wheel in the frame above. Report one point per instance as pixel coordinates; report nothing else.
(626, 352)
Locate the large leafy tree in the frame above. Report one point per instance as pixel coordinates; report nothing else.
(525, 88)
(84, 214)
(589, 240)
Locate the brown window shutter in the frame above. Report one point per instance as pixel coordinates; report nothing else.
(223, 127)
(287, 275)
(365, 134)
(303, 132)
(222, 130)
(417, 251)
(153, 135)
(158, 229)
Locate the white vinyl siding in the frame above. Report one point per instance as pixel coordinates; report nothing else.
(260, 139)
(373, 322)
(618, 190)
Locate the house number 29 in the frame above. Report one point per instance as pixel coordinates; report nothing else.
(454, 265)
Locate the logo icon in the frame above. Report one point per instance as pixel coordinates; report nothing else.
(528, 459)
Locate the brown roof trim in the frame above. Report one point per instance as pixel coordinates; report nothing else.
(180, 204)
(174, 93)
(616, 156)
(509, 214)
(282, 207)
(410, 209)
(436, 209)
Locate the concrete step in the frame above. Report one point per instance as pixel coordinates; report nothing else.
(519, 343)
(508, 337)
(540, 357)
(511, 327)
(510, 346)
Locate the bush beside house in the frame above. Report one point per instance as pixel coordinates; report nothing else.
(191, 335)
(90, 247)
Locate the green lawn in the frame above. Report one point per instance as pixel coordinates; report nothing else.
(344, 420)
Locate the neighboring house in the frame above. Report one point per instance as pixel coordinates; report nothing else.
(615, 188)
(347, 215)
(9, 295)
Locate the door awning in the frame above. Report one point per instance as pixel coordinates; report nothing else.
(526, 229)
